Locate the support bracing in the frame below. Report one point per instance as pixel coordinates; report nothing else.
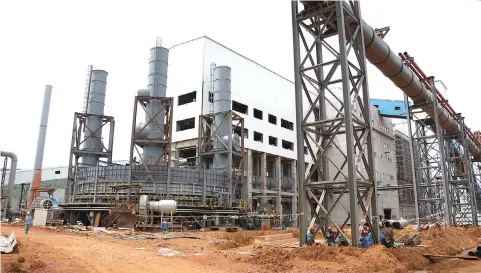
(232, 145)
(155, 134)
(81, 133)
(335, 123)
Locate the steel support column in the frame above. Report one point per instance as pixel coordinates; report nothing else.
(413, 163)
(327, 37)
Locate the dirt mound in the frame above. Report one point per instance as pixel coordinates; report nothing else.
(326, 253)
(450, 240)
(275, 260)
(412, 258)
(244, 237)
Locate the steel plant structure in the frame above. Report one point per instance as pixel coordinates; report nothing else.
(328, 33)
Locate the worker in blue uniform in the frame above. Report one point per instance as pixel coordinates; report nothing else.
(165, 227)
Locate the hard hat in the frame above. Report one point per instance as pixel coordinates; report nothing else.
(28, 212)
(312, 228)
(329, 228)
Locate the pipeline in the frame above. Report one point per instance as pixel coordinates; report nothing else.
(11, 178)
(380, 55)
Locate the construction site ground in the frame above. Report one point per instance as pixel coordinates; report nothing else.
(68, 251)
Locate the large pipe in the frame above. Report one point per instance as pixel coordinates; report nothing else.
(11, 178)
(96, 105)
(158, 64)
(222, 103)
(386, 60)
(42, 133)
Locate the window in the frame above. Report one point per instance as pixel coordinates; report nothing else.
(287, 145)
(272, 119)
(258, 136)
(187, 98)
(397, 108)
(257, 113)
(211, 97)
(185, 124)
(287, 124)
(237, 130)
(306, 151)
(239, 107)
(273, 141)
(57, 172)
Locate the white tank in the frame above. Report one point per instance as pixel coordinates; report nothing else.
(165, 206)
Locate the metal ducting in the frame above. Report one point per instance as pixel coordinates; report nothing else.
(380, 55)
(42, 203)
(11, 178)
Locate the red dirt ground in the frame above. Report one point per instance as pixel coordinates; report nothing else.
(51, 250)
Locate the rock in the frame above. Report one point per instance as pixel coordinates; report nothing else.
(21, 259)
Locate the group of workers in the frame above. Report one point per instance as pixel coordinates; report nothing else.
(335, 238)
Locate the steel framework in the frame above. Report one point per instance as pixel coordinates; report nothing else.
(328, 37)
(207, 133)
(164, 138)
(80, 134)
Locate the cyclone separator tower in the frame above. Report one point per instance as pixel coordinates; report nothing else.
(221, 137)
(151, 140)
(88, 149)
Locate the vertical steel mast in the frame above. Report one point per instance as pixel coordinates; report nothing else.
(329, 53)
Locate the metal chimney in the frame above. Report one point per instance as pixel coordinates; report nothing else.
(157, 86)
(96, 104)
(42, 133)
(222, 103)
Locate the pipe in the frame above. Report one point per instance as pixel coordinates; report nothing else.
(11, 178)
(42, 133)
(380, 55)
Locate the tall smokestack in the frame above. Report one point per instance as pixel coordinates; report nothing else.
(42, 133)
(96, 104)
(158, 63)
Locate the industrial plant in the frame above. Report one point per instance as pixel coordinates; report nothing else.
(218, 140)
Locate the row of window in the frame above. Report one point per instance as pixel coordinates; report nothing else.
(189, 123)
(259, 137)
(238, 107)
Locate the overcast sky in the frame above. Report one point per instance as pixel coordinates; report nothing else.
(53, 42)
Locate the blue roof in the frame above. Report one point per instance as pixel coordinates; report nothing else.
(390, 108)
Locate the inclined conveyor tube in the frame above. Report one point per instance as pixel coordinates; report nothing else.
(380, 55)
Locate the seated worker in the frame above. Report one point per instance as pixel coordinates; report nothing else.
(364, 240)
(310, 236)
(330, 236)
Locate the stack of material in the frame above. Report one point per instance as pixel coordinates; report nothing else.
(413, 239)
(278, 240)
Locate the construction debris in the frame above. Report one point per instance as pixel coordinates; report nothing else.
(168, 252)
(7, 244)
(409, 239)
